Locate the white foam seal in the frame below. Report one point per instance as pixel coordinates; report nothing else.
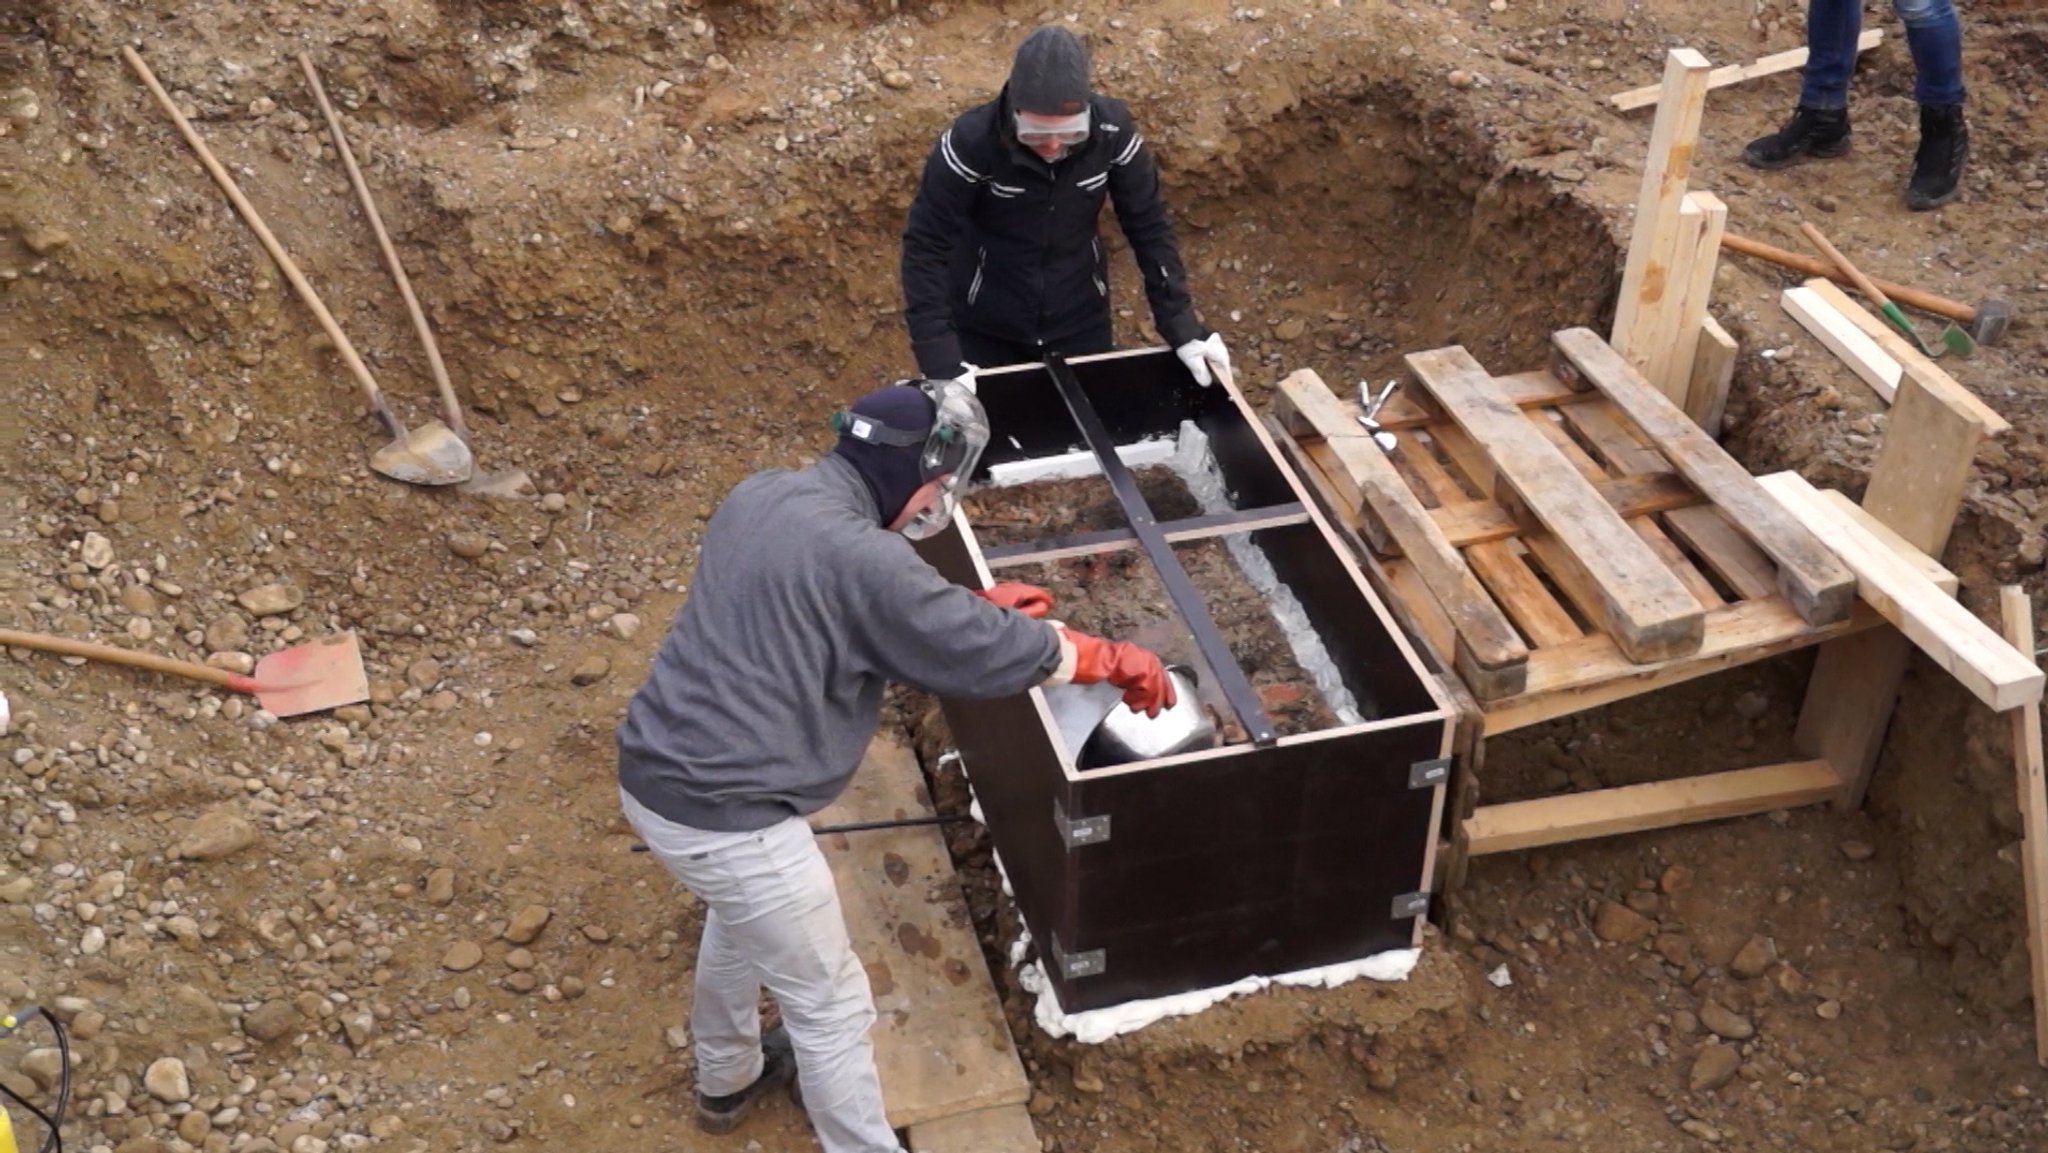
(1069, 465)
(1095, 1026)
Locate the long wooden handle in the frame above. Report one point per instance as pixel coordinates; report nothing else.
(449, 404)
(65, 646)
(1854, 273)
(270, 244)
(1799, 262)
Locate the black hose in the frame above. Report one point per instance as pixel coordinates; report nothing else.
(53, 1121)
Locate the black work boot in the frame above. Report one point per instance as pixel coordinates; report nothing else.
(1822, 133)
(1938, 164)
(721, 1115)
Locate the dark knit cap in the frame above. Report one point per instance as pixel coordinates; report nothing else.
(891, 472)
(1050, 74)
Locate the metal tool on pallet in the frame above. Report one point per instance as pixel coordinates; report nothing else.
(1370, 417)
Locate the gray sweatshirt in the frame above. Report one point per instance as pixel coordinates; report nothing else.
(768, 687)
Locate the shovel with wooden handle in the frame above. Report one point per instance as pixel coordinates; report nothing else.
(431, 454)
(1953, 338)
(308, 678)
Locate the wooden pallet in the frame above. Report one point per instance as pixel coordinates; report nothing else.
(1566, 535)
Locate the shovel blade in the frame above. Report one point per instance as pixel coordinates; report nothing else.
(431, 454)
(309, 678)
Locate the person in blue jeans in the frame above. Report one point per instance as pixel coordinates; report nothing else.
(1820, 127)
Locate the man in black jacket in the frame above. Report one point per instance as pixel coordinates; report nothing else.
(1002, 261)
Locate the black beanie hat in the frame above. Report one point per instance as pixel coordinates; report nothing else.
(892, 472)
(1050, 74)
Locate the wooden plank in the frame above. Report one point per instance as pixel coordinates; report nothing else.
(942, 1044)
(1701, 224)
(1844, 339)
(1634, 596)
(1848, 706)
(1617, 444)
(1489, 654)
(1556, 820)
(1528, 604)
(1928, 567)
(1004, 1130)
(2018, 613)
(1947, 632)
(1725, 550)
(1536, 389)
(1476, 521)
(1713, 372)
(1901, 350)
(1592, 671)
(1648, 278)
(1728, 74)
(1192, 528)
(1817, 585)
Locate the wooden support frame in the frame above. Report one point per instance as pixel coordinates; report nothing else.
(1900, 350)
(1660, 805)
(1645, 312)
(1722, 77)
(2018, 613)
(1713, 373)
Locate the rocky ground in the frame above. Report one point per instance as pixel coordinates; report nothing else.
(658, 242)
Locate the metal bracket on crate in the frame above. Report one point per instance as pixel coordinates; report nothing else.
(1187, 599)
(1429, 774)
(1086, 831)
(1411, 905)
(1092, 963)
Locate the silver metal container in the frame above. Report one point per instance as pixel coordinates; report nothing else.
(1125, 735)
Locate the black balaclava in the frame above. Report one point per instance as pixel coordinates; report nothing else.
(892, 473)
(1050, 73)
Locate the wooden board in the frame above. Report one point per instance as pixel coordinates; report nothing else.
(1817, 585)
(1476, 521)
(1630, 592)
(1649, 280)
(1728, 74)
(1591, 671)
(1928, 567)
(1522, 595)
(1841, 337)
(1633, 808)
(1703, 218)
(942, 1044)
(1733, 558)
(2018, 613)
(1713, 372)
(1489, 655)
(1901, 350)
(1947, 632)
(1003, 1130)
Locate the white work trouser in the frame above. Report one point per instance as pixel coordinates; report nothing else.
(772, 918)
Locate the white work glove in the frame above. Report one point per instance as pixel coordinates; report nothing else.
(1201, 356)
(966, 377)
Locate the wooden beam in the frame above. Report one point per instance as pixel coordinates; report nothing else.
(1120, 539)
(1713, 371)
(1640, 319)
(1490, 656)
(1570, 817)
(1928, 567)
(1947, 632)
(1722, 77)
(1632, 594)
(1815, 583)
(1841, 337)
(1702, 221)
(1522, 596)
(2018, 612)
(1591, 671)
(1901, 350)
(1476, 521)
(1923, 466)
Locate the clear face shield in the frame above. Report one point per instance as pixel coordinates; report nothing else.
(950, 455)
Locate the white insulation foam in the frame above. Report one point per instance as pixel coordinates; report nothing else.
(1196, 466)
(1067, 466)
(1098, 1025)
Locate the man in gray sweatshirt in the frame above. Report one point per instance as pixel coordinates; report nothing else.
(807, 600)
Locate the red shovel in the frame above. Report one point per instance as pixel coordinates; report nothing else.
(307, 678)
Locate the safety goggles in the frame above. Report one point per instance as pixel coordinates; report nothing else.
(1035, 129)
(949, 451)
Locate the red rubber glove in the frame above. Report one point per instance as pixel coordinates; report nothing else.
(1030, 600)
(1147, 688)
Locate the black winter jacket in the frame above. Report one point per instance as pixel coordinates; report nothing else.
(1001, 243)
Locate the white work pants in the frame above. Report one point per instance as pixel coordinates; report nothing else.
(772, 918)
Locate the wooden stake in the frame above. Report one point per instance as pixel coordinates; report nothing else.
(1702, 221)
(1640, 320)
(1713, 372)
(2018, 611)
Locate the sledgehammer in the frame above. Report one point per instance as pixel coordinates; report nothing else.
(1987, 321)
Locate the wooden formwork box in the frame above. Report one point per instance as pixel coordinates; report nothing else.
(1566, 538)
(1256, 859)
